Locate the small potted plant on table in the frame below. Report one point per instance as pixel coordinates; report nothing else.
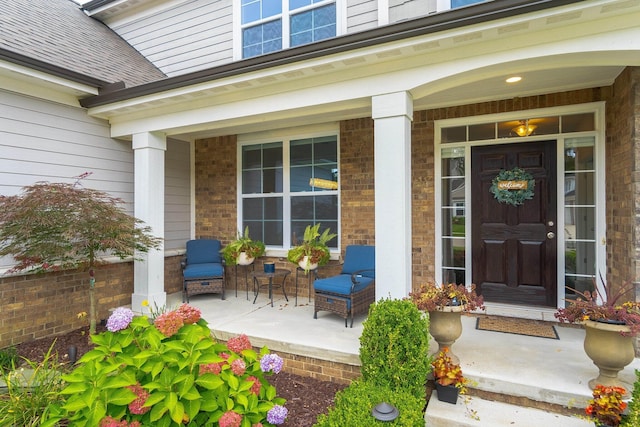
(243, 250)
(445, 304)
(313, 251)
(610, 327)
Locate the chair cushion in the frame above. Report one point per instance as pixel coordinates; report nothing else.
(203, 251)
(205, 270)
(360, 257)
(341, 284)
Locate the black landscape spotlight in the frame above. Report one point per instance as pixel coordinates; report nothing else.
(385, 412)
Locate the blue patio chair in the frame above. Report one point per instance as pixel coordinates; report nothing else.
(353, 290)
(202, 269)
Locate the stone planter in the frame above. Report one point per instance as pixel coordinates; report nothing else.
(445, 326)
(609, 350)
(243, 259)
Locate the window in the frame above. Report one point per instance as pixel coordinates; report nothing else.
(271, 25)
(287, 185)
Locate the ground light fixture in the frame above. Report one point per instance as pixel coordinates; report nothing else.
(385, 412)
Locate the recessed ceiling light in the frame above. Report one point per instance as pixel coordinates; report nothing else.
(514, 79)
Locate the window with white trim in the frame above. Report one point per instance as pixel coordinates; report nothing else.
(272, 25)
(288, 184)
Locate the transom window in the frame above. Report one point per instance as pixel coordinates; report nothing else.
(287, 185)
(272, 25)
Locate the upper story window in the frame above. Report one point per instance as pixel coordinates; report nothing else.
(271, 25)
(287, 184)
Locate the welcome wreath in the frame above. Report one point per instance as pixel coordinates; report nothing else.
(513, 186)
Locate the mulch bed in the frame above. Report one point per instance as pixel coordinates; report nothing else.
(306, 397)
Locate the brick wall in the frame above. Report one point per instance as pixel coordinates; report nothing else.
(623, 179)
(41, 305)
(36, 306)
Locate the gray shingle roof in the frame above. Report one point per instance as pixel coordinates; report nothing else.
(59, 33)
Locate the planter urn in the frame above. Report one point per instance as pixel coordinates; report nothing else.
(609, 350)
(445, 326)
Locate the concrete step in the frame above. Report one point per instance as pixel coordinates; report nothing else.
(473, 411)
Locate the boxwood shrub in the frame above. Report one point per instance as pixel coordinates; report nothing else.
(394, 347)
(353, 407)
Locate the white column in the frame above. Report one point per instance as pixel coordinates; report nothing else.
(393, 114)
(149, 150)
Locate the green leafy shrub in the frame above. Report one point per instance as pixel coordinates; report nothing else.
(169, 372)
(8, 358)
(632, 419)
(30, 391)
(353, 407)
(394, 346)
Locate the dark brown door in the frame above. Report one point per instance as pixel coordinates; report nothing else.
(514, 247)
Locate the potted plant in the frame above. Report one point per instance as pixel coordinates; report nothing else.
(610, 327)
(445, 304)
(243, 250)
(313, 251)
(607, 406)
(448, 377)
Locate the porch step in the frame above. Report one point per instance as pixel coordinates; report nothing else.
(473, 411)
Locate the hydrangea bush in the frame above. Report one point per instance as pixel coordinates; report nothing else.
(169, 371)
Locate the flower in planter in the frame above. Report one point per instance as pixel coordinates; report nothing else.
(243, 243)
(432, 297)
(607, 406)
(445, 372)
(313, 246)
(603, 305)
(168, 371)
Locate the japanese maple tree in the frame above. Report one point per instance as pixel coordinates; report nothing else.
(58, 226)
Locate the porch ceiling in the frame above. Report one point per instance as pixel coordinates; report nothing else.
(556, 49)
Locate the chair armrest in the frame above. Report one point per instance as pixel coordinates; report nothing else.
(356, 274)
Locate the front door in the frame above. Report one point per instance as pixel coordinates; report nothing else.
(514, 247)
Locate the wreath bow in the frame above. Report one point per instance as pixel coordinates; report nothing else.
(514, 197)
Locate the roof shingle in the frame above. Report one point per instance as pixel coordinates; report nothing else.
(58, 32)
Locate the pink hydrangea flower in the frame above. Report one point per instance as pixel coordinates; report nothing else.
(189, 313)
(137, 406)
(239, 343)
(257, 425)
(111, 422)
(230, 419)
(255, 388)
(210, 368)
(238, 367)
(169, 323)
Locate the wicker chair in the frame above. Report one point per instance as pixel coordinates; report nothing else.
(202, 269)
(352, 291)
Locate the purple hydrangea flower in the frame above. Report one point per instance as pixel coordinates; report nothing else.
(271, 362)
(119, 319)
(277, 414)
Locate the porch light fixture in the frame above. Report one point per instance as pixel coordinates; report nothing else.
(524, 128)
(513, 79)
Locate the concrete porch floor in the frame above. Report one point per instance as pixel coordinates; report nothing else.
(542, 369)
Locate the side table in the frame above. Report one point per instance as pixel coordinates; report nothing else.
(261, 275)
(312, 275)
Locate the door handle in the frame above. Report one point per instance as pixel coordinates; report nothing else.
(551, 235)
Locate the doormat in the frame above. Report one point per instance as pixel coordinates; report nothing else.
(512, 325)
